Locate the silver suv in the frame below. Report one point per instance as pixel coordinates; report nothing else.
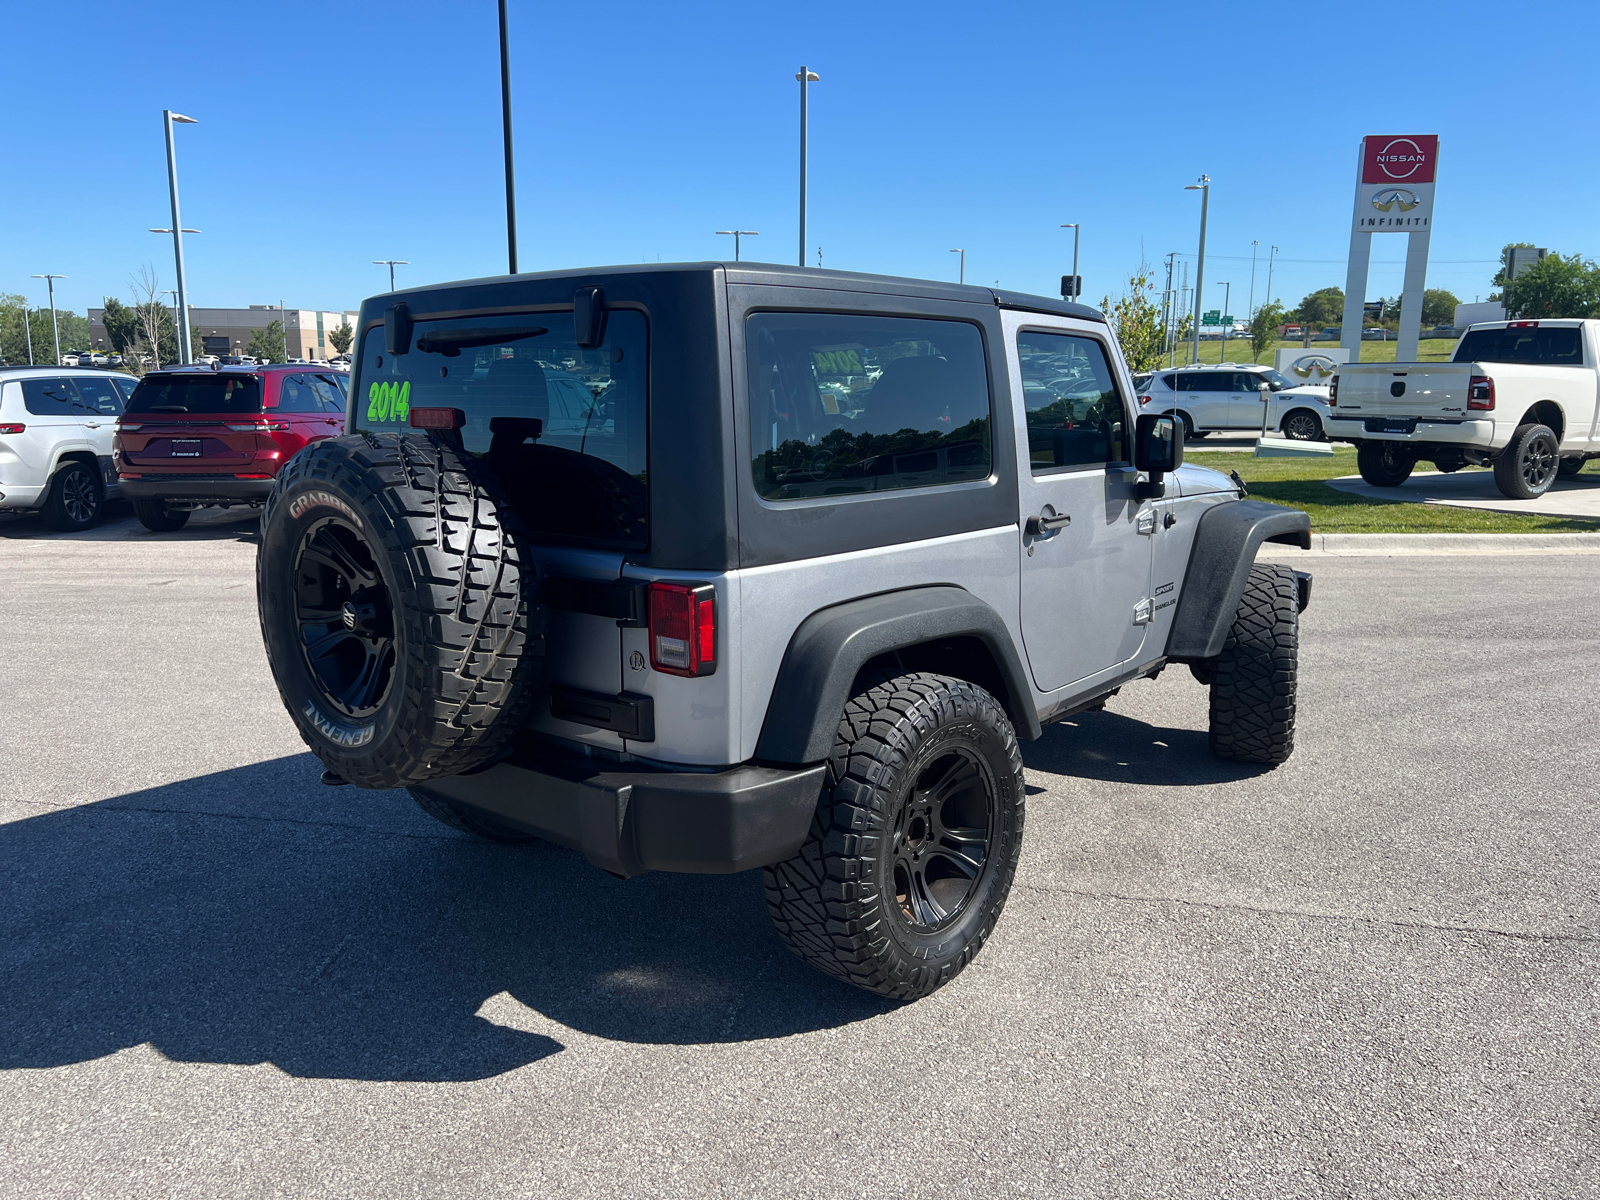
(717, 567)
(56, 428)
(1226, 397)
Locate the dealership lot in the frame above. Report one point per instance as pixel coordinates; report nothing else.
(1369, 971)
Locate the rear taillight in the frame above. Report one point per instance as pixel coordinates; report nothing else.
(1143, 400)
(1333, 393)
(12, 428)
(261, 427)
(128, 426)
(683, 628)
(1480, 393)
(236, 476)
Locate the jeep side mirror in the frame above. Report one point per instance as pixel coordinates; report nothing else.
(1157, 449)
(589, 317)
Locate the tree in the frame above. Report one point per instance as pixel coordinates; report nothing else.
(1325, 306)
(1264, 324)
(341, 337)
(1136, 319)
(1439, 307)
(1556, 287)
(122, 326)
(268, 343)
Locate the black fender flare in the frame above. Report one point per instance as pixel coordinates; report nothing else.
(1225, 545)
(831, 646)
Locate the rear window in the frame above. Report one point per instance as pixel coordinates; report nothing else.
(843, 404)
(205, 394)
(582, 475)
(1548, 346)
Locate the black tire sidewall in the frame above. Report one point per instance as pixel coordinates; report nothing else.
(56, 513)
(303, 506)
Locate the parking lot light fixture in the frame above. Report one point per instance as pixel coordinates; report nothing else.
(1270, 257)
(963, 254)
(1204, 188)
(805, 77)
(1227, 295)
(392, 263)
(1251, 307)
(737, 234)
(168, 120)
(1077, 285)
(54, 328)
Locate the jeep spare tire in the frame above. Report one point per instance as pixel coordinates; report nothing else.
(396, 607)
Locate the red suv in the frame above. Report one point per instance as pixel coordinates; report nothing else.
(197, 437)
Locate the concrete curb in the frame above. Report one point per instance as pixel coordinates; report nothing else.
(1359, 544)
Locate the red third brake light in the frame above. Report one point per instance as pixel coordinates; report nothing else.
(1480, 393)
(683, 628)
(438, 418)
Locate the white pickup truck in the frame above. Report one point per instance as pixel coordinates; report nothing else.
(1518, 396)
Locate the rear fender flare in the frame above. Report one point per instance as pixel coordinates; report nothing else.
(832, 645)
(1225, 545)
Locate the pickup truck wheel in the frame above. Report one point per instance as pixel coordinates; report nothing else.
(1527, 467)
(155, 516)
(1384, 464)
(74, 499)
(1302, 425)
(915, 839)
(1254, 678)
(1569, 467)
(394, 606)
(468, 820)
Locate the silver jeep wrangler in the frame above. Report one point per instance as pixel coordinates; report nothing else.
(714, 567)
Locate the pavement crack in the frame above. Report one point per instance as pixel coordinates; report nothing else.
(1221, 906)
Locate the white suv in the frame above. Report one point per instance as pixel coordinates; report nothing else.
(1213, 397)
(56, 426)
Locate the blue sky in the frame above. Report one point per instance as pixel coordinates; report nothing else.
(334, 134)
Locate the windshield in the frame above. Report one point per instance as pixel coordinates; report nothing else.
(1547, 346)
(1276, 380)
(581, 471)
(229, 394)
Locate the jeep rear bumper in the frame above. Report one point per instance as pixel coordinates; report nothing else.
(628, 819)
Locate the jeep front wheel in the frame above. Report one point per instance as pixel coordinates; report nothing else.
(1254, 679)
(914, 843)
(393, 598)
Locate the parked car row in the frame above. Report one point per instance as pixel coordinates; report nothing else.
(172, 442)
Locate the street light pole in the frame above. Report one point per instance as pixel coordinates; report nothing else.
(1227, 295)
(1077, 284)
(806, 78)
(54, 328)
(505, 121)
(1251, 307)
(963, 254)
(737, 234)
(27, 330)
(1204, 188)
(392, 263)
(168, 118)
(1270, 257)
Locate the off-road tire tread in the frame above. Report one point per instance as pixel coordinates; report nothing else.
(462, 818)
(823, 902)
(1254, 678)
(464, 600)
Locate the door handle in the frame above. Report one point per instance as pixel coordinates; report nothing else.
(1043, 524)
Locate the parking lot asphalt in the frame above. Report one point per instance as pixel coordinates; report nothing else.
(1369, 972)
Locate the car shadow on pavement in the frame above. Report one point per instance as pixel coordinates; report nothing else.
(255, 916)
(1106, 745)
(239, 524)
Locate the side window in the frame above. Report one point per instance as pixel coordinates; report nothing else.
(51, 398)
(1187, 381)
(1245, 381)
(1075, 416)
(99, 396)
(125, 385)
(295, 395)
(328, 393)
(842, 404)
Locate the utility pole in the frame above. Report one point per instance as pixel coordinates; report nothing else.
(806, 78)
(54, 328)
(505, 122)
(1204, 188)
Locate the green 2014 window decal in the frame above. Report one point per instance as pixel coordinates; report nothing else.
(389, 402)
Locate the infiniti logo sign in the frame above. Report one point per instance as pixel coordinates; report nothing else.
(1386, 200)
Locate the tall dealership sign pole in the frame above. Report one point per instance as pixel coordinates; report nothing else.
(1394, 194)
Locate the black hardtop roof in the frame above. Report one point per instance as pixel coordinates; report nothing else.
(779, 275)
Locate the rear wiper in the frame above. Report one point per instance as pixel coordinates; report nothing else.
(450, 342)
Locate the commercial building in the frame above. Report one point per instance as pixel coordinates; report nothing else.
(229, 330)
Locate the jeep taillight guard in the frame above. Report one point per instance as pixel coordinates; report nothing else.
(683, 628)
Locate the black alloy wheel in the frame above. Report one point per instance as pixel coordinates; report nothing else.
(1538, 461)
(941, 840)
(345, 618)
(74, 499)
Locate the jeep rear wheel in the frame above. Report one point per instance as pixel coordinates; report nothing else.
(393, 605)
(1254, 679)
(915, 840)
(1384, 464)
